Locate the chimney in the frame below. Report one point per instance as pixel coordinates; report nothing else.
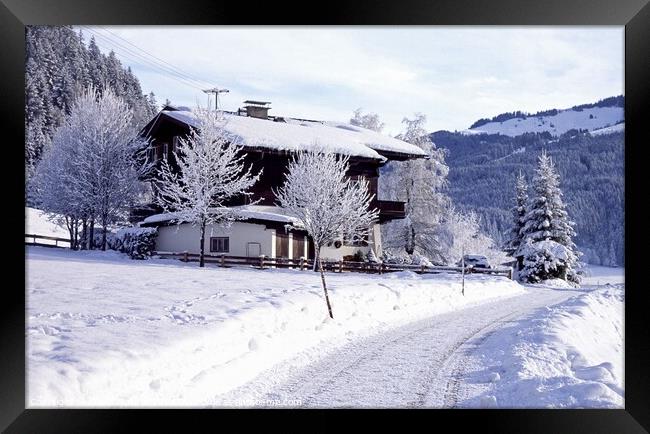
(257, 109)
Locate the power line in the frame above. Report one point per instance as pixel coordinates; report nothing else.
(157, 63)
(168, 67)
(157, 58)
(136, 57)
(130, 54)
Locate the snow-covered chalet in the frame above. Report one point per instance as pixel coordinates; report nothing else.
(269, 142)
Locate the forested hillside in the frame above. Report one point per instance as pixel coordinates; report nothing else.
(483, 168)
(59, 64)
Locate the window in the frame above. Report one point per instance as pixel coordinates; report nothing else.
(165, 151)
(219, 244)
(175, 144)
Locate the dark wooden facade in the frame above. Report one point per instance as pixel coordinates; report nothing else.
(163, 133)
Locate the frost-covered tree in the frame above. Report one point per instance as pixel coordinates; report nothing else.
(518, 215)
(460, 234)
(326, 202)
(420, 184)
(369, 120)
(211, 169)
(58, 68)
(547, 248)
(89, 174)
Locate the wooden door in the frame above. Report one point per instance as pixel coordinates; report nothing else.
(298, 246)
(281, 245)
(311, 253)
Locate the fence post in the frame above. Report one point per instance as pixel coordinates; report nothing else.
(340, 266)
(262, 262)
(302, 263)
(185, 258)
(223, 260)
(422, 268)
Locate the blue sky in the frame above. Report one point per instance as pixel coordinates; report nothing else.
(454, 75)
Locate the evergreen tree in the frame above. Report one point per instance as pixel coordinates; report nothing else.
(547, 248)
(58, 69)
(518, 215)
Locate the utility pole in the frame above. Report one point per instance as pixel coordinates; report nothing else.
(462, 254)
(216, 91)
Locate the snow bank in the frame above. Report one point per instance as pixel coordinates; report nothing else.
(106, 331)
(567, 356)
(601, 275)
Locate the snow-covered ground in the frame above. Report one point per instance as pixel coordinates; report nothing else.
(595, 118)
(566, 356)
(408, 366)
(608, 130)
(36, 222)
(601, 275)
(103, 330)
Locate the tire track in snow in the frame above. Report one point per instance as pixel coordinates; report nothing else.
(416, 365)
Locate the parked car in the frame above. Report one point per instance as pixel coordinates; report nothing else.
(475, 261)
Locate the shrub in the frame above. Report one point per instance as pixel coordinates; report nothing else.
(138, 243)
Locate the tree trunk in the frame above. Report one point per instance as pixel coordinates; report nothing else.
(70, 226)
(201, 257)
(91, 234)
(104, 224)
(410, 240)
(76, 233)
(322, 278)
(316, 260)
(84, 234)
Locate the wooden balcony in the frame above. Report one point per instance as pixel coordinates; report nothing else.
(389, 210)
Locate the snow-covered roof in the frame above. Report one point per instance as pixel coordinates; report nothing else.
(295, 135)
(243, 212)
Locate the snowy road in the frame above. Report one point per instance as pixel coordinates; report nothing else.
(417, 365)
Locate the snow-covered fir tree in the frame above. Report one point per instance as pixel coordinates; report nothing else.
(369, 120)
(88, 175)
(210, 170)
(518, 215)
(326, 203)
(420, 184)
(547, 248)
(58, 68)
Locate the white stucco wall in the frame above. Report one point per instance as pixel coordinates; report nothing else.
(185, 237)
(375, 239)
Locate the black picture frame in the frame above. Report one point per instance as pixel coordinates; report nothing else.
(633, 14)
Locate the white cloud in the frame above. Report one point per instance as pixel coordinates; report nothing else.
(454, 75)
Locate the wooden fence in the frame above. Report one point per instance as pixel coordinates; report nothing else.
(45, 241)
(263, 262)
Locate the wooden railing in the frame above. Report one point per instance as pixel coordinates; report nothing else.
(263, 262)
(34, 237)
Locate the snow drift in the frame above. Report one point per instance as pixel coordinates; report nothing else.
(106, 331)
(567, 356)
